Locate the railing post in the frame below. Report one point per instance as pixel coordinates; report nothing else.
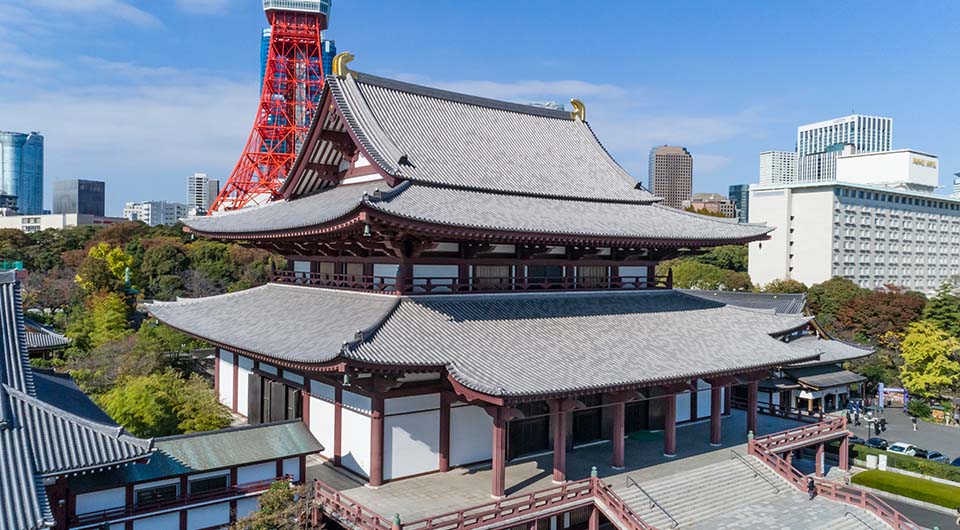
(395, 523)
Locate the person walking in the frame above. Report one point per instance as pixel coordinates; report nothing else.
(958, 516)
(913, 419)
(811, 488)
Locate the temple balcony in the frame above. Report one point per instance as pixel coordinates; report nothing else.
(414, 285)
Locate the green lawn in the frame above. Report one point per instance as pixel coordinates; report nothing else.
(914, 488)
(910, 463)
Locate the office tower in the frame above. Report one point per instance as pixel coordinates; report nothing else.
(956, 186)
(155, 213)
(868, 134)
(78, 196)
(264, 53)
(671, 174)
(778, 167)
(329, 52)
(739, 195)
(21, 170)
(202, 191)
(822, 165)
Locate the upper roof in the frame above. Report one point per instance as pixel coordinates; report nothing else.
(484, 211)
(465, 162)
(214, 450)
(38, 439)
(434, 136)
(787, 304)
(523, 344)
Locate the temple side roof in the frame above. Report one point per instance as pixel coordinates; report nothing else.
(823, 376)
(783, 303)
(41, 338)
(521, 344)
(435, 136)
(458, 208)
(831, 351)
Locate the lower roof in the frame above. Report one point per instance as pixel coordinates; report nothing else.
(506, 345)
(786, 303)
(823, 376)
(831, 351)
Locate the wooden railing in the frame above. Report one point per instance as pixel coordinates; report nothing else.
(831, 427)
(501, 513)
(780, 411)
(182, 500)
(440, 285)
(763, 448)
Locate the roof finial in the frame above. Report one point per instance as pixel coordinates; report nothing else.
(579, 110)
(340, 64)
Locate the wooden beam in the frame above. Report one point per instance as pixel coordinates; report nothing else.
(336, 137)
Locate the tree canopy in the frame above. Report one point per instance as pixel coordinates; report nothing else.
(690, 274)
(784, 286)
(931, 359)
(825, 299)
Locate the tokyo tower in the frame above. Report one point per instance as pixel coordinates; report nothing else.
(289, 96)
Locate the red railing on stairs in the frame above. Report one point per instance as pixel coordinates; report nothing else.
(764, 449)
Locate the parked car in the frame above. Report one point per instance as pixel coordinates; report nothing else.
(876, 443)
(956, 462)
(933, 456)
(857, 440)
(902, 448)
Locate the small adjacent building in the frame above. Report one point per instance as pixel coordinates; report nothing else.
(36, 223)
(155, 213)
(79, 196)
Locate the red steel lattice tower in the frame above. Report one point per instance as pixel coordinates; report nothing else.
(291, 89)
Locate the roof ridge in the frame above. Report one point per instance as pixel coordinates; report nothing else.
(460, 97)
(226, 430)
(725, 220)
(114, 431)
(518, 193)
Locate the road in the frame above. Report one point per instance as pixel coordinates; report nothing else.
(928, 436)
(924, 517)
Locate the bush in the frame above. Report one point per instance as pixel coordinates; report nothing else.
(911, 463)
(914, 488)
(918, 408)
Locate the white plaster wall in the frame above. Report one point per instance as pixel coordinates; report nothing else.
(355, 441)
(159, 522)
(322, 424)
(291, 466)
(411, 444)
(256, 472)
(208, 516)
(471, 435)
(703, 399)
(683, 406)
(813, 234)
(243, 380)
(226, 378)
(769, 260)
(101, 500)
(246, 506)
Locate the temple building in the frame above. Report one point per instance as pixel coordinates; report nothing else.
(471, 280)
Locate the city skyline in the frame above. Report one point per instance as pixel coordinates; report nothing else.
(724, 105)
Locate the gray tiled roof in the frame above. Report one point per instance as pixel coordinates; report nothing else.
(209, 451)
(41, 338)
(465, 141)
(823, 376)
(505, 344)
(831, 351)
(784, 303)
(484, 210)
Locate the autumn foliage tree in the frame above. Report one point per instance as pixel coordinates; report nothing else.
(931, 358)
(867, 318)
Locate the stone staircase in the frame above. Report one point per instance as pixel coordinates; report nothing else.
(730, 495)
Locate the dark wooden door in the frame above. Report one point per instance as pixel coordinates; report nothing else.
(637, 416)
(254, 399)
(294, 404)
(588, 423)
(531, 434)
(278, 402)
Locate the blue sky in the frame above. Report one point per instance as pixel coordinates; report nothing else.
(141, 94)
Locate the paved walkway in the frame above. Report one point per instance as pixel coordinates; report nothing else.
(460, 488)
(930, 436)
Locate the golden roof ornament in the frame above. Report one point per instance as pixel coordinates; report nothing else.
(340, 64)
(579, 110)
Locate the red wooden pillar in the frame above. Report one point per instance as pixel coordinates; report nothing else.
(716, 409)
(845, 454)
(819, 466)
(594, 521)
(305, 404)
(183, 492)
(129, 495)
(753, 388)
(789, 458)
(337, 423)
(558, 419)
(376, 442)
(619, 428)
(444, 432)
(499, 453)
(670, 426)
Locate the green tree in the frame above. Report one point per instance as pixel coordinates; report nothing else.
(282, 507)
(825, 299)
(108, 314)
(931, 362)
(944, 309)
(784, 286)
(163, 404)
(96, 371)
(730, 257)
(689, 274)
(103, 269)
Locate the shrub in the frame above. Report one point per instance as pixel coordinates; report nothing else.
(918, 408)
(914, 488)
(911, 463)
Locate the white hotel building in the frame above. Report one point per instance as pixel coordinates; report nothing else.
(878, 224)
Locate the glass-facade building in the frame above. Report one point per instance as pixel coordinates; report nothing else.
(79, 196)
(21, 170)
(739, 195)
(264, 53)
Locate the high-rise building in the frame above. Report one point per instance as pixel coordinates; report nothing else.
(739, 195)
(329, 52)
(778, 167)
(79, 196)
(868, 134)
(671, 174)
(155, 213)
(21, 170)
(821, 166)
(955, 193)
(264, 53)
(202, 191)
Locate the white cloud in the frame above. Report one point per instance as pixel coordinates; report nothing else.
(203, 6)
(101, 8)
(127, 70)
